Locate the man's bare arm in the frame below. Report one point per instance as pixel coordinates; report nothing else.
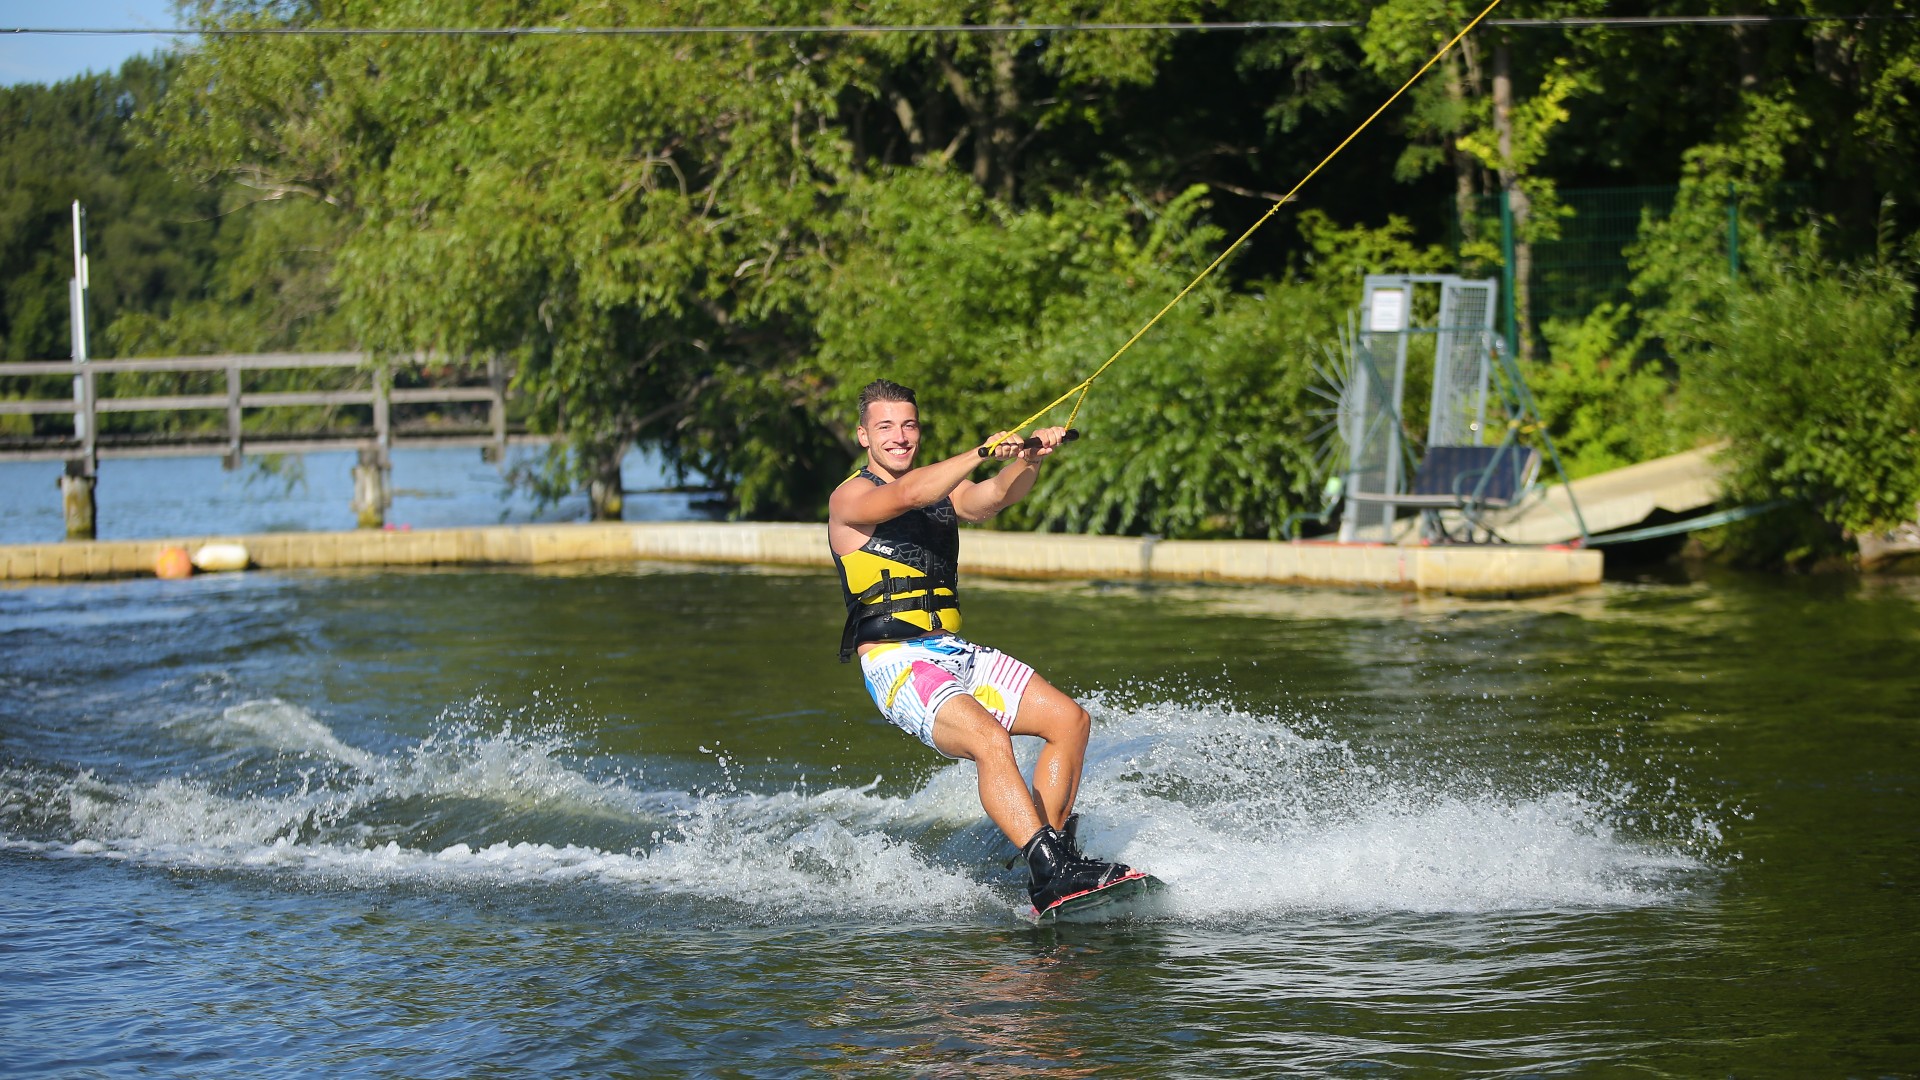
(978, 502)
(871, 504)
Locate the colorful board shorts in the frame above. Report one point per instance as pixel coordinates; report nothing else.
(910, 680)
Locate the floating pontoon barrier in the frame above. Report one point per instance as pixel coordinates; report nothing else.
(1493, 569)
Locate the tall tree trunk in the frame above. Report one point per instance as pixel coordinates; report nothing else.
(605, 495)
(909, 121)
(1006, 106)
(1746, 51)
(1466, 189)
(1519, 205)
(991, 112)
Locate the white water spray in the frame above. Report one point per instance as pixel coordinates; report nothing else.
(1244, 815)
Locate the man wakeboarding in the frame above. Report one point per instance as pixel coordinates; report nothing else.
(894, 532)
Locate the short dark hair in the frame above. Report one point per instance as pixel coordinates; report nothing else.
(883, 390)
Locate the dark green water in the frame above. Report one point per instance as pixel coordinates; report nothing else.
(637, 821)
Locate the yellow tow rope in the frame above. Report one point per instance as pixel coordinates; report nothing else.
(1082, 387)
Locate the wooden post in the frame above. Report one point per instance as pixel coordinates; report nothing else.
(233, 458)
(372, 487)
(497, 410)
(370, 494)
(383, 413)
(76, 500)
(76, 487)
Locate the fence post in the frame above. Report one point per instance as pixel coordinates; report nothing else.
(76, 500)
(383, 411)
(76, 486)
(497, 410)
(370, 496)
(372, 492)
(1509, 320)
(1733, 232)
(90, 405)
(233, 457)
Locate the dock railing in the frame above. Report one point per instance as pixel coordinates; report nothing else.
(88, 445)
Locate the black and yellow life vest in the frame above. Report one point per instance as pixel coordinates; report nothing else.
(905, 580)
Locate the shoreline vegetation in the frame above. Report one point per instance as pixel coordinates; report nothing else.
(705, 244)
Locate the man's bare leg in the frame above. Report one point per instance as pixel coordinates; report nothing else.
(1058, 719)
(963, 728)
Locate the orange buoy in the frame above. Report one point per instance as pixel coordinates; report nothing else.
(173, 563)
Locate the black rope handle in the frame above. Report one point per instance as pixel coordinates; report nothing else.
(1033, 442)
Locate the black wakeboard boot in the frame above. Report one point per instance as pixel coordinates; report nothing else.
(1071, 834)
(1068, 832)
(1057, 875)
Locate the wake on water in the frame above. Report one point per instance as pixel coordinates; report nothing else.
(1243, 815)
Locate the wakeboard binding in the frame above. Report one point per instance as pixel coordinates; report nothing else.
(1063, 876)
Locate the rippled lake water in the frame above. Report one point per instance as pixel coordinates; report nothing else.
(194, 496)
(635, 820)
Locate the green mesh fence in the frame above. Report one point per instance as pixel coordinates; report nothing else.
(1586, 265)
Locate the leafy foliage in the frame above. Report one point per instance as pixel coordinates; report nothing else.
(1683, 266)
(1603, 409)
(149, 235)
(1816, 378)
(269, 289)
(708, 242)
(991, 314)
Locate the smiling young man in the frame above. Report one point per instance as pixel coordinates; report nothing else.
(894, 531)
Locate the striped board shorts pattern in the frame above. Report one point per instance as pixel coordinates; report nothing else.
(910, 680)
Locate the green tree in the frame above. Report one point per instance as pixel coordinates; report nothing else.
(625, 219)
(987, 102)
(268, 288)
(1814, 376)
(708, 242)
(644, 225)
(1603, 407)
(150, 236)
(991, 313)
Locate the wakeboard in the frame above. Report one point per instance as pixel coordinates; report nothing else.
(1128, 896)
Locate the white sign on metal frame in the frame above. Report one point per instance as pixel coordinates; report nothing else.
(1388, 314)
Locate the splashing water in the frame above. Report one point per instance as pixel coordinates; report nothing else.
(1243, 815)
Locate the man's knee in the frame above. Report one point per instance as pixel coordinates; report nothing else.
(1067, 725)
(964, 728)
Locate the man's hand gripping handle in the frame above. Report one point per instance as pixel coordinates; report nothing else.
(1034, 443)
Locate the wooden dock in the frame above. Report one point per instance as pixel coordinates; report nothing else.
(372, 391)
(376, 395)
(1480, 570)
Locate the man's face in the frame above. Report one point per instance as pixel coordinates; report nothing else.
(890, 431)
